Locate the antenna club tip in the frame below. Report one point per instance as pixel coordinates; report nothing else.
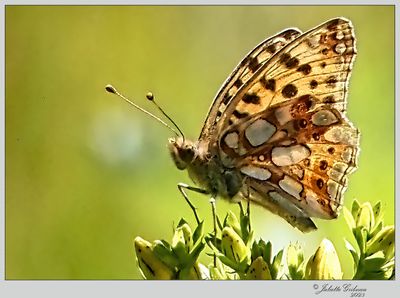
(111, 89)
(150, 96)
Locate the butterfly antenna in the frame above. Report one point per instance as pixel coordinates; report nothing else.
(150, 97)
(113, 90)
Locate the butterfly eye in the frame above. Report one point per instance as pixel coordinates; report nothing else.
(175, 152)
(181, 152)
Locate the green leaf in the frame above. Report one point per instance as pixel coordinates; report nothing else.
(194, 254)
(276, 264)
(250, 239)
(220, 226)
(165, 254)
(181, 222)
(355, 207)
(360, 234)
(181, 252)
(255, 251)
(238, 267)
(377, 209)
(209, 238)
(267, 252)
(198, 232)
(374, 262)
(244, 225)
(373, 275)
(354, 254)
(349, 218)
(378, 227)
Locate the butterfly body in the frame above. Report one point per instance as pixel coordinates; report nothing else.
(205, 168)
(277, 132)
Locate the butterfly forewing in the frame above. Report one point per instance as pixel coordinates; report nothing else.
(318, 62)
(242, 74)
(284, 128)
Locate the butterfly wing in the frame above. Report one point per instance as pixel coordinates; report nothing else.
(286, 129)
(243, 73)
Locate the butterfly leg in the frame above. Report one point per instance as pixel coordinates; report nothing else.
(247, 212)
(246, 195)
(214, 213)
(182, 187)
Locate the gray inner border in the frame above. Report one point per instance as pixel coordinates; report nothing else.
(187, 288)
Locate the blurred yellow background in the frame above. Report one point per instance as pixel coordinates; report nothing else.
(86, 173)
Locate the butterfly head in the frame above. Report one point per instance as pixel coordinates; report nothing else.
(182, 151)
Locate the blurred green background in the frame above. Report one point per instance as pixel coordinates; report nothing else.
(85, 173)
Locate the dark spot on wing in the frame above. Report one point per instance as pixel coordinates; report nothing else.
(268, 84)
(271, 48)
(313, 84)
(251, 98)
(323, 165)
(284, 58)
(305, 69)
(292, 63)
(238, 83)
(227, 98)
(253, 64)
(331, 81)
(320, 183)
(289, 90)
(240, 115)
(315, 136)
(333, 24)
(303, 123)
(329, 99)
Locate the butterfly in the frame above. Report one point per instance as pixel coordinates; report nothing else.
(277, 134)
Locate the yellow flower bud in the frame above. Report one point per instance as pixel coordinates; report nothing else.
(294, 255)
(258, 270)
(150, 265)
(233, 246)
(365, 217)
(382, 241)
(324, 264)
(183, 236)
(195, 272)
(233, 222)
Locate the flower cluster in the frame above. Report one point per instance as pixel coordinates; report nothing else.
(374, 258)
(161, 260)
(237, 255)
